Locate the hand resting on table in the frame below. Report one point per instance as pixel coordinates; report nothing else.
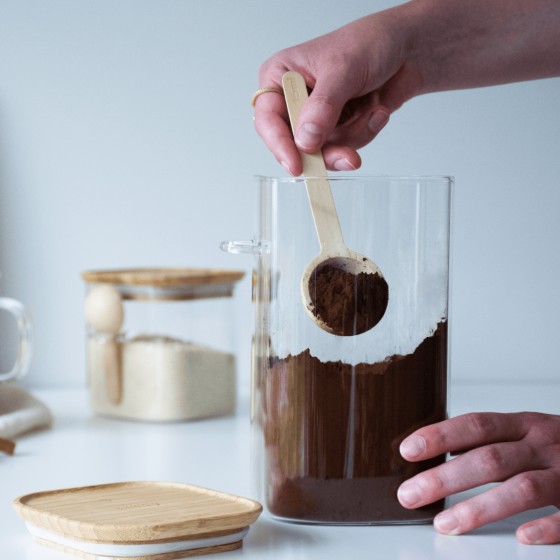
(520, 450)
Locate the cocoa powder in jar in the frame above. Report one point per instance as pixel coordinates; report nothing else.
(332, 433)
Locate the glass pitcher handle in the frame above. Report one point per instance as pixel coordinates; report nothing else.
(25, 328)
(251, 247)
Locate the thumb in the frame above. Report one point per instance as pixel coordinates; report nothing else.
(321, 112)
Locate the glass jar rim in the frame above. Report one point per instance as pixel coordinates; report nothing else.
(358, 178)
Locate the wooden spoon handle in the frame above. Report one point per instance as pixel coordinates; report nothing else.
(318, 190)
(7, 446)
(112, 364)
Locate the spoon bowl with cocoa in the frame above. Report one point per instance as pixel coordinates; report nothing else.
(343, 292)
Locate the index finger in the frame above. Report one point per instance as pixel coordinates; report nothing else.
(462, 432)
(273, 126)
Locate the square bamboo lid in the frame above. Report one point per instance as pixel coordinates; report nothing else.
(137, 513)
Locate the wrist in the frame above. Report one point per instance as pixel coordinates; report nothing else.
(424, 36)
(456, 44)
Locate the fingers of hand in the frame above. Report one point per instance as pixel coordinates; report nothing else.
(362, 119)
(272, 125)
(541, 531)
(529, 490)
(354, 124)
(341, 158)
(361, 129)
(322, 110)
(358, 130)
(463, 432)
(491, 463)
(317, 121)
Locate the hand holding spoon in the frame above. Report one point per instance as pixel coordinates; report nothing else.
(343, 292)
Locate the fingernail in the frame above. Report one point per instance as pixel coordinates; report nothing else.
(378, 120)
(286, 167)
(412, 447)
(409, 494)
(447, 523)
(309, 135)
(343, 164)
(533, 534)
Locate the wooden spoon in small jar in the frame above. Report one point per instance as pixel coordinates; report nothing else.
(104, 313)
(343, 292)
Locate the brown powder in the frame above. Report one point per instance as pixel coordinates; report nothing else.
(333, 431)
(348, 303)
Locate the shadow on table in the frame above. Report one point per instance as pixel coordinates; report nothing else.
(267, 534)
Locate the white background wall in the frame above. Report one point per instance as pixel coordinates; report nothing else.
(126, 139)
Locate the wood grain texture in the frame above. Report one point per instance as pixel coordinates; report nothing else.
(318, 187)
(166, 556)
(112, 362)
(136, 512)
(162, 277)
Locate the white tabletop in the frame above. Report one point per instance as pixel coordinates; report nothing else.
(84, 450)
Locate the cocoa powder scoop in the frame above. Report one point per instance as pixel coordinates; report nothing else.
(343, 292)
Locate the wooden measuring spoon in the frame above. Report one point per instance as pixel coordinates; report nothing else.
(343, 292)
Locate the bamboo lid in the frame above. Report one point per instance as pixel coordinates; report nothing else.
(162, 277)
(137, 513)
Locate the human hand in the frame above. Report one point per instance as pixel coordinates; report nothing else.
(358, 75)
(521, 450)
(364, 71)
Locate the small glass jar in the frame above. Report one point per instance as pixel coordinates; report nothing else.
(329, 412)
(161, 343)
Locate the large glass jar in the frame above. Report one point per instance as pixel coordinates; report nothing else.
(161, 342)
(329, 412)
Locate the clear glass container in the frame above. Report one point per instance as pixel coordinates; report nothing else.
(25, 332)
(329, 412)
(161, 343)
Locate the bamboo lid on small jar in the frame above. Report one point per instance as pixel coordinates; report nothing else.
(171, 284)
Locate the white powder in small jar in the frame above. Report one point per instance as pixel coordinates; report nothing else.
(163, 379)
